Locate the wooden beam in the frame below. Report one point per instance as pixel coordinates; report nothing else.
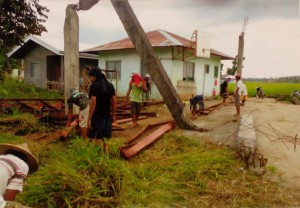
(152, 63)
(130, 151)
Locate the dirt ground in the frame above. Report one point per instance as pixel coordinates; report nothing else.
(276, 125)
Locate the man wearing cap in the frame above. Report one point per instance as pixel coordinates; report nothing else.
(16, 161)
(103, 106)
(224, 93)
(237, 94)
(136, 88)
(82, 101)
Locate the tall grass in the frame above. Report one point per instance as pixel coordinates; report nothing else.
(175, 172)
(273, 90)
(10, 88)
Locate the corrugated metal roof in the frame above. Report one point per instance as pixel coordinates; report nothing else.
(32, 41)
(157, 38)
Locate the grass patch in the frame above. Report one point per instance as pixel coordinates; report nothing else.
(175, 172)
(21, 124)
(10, 88)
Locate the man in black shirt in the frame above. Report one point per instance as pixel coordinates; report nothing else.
(82, 101)
(224, 89)
(102, 106)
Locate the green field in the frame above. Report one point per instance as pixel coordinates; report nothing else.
(274, 90)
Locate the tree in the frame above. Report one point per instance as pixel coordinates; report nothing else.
(19, 18)
(233, 69)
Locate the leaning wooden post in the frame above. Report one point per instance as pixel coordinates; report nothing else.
(152, 63)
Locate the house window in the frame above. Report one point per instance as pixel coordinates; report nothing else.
(113, 65)
(206, 68)
(216, 72)
(188, 71)
(33, 69)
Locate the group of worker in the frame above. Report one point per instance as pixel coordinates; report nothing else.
(98, 109)
(240, 96)
(96, 116)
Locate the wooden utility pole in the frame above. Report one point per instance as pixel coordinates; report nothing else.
(152, 63)
(71, 53)
(240, 56)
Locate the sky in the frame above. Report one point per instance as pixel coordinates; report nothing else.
(272, 35)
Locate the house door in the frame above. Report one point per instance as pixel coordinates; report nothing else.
(54, 77)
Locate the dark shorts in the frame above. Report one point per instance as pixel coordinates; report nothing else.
(135, 108)
(224, 94)
(200, 104)
(101, 129)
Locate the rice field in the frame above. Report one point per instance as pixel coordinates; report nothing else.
(274, 90)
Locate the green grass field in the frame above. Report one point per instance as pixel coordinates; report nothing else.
(273, 90)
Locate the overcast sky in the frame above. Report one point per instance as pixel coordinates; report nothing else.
(272, 37)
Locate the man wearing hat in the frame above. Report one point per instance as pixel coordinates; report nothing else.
(237, 94)
(16, 161)
(82, 101)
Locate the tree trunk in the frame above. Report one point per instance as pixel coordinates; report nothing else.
(152, 63)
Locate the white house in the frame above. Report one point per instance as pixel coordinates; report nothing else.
(189, 74)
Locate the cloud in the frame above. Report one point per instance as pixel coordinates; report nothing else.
(271, 40)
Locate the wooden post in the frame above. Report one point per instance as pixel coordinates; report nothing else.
(240, 54)
(71, 53)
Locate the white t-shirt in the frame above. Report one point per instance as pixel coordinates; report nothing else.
(13, 171)
(239, 85)
(244, 90)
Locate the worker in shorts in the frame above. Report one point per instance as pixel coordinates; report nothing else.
(237, 95)
(195, 101)
(244, 95)
(224, 93)
(135, 91)
(103, 107)
(82, 101)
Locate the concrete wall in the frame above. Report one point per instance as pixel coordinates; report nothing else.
(37, 55)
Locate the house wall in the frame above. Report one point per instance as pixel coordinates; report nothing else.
(37, 55)
(130, 62)
(205, 82)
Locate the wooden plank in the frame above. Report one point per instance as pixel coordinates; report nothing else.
(137, 135)
(128, 152)
(125, 120)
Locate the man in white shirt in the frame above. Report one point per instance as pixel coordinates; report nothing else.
(244, 96)
(237, 94)
(16, 161)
